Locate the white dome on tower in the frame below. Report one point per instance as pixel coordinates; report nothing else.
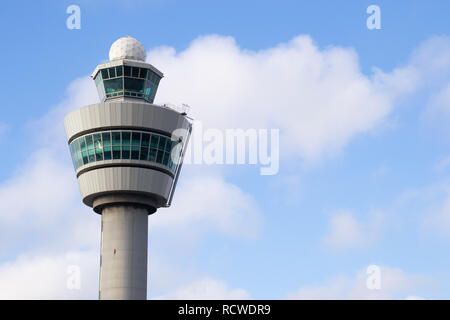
(127, 48)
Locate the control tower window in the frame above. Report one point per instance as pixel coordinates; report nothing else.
(106, 142)
(112, 72)
(127, 71)
(105, 74)
(135, 72)
(113, 85)
(127, 145)
(127, 81)
(99, 84)
(143, 73)
(119, 71)
(134, 85)
(116, 145)
(135, 145)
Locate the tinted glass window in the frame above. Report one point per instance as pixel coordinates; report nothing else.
(98, 147)
(143, 73)
(148, 89)
(135, 72)
(134, 145)
(127, 71)
(89, 142)
(72, 153)
(113, 85)
(169, 145)
(98, 140)
(105, 74)
(116, 152)
(107, 153)
(159, 156)
(136, 85)
(136, 139)
(165, 158)
(145, 139)
(144, 153)
(154, 141)
(99, 85)
(152, 154)
(112, 72)
(106, 136)
(162, 143)
(83, 144)
(115, 138)
(119, 71)
(126, 138)
(125, 153)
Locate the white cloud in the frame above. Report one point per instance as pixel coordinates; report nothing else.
(49, 129)
(395, 284)
(39, 190)
(207, 288)
(414, 298)
(208, 203)
(436, 115)
(47, 276)
(41, 201)
(432, 60)
(319, 98)
(346, 232)
(427, 208)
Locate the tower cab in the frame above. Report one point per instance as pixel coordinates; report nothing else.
(126, 74)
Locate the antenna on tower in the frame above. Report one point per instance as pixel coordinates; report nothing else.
(185, 109)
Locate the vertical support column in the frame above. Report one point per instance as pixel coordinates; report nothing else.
(123, 256)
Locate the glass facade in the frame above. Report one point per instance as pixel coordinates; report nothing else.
(129, 145)
(127, 81)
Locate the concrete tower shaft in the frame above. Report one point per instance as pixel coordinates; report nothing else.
(127, 155)
(123, 257)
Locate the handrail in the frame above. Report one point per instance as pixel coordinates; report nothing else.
(174, 184)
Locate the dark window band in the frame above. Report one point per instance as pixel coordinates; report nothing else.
(125, 144)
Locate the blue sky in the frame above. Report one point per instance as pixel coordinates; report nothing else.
(363, 182)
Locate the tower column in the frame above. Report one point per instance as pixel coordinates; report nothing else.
(123, 260)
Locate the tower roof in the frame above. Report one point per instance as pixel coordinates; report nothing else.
(127, 48)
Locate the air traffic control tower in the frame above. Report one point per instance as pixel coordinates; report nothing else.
(127, 153)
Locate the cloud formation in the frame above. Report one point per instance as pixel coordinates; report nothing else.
(346, 232)
(50, 276)
(395, 284)
(207, 288)
(207, 203)
(317, 97)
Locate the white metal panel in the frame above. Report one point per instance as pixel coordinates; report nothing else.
(124, 179)
(116, 114)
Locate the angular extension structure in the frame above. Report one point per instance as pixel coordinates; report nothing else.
(127, 153)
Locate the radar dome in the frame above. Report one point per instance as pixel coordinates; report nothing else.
(127, 48)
